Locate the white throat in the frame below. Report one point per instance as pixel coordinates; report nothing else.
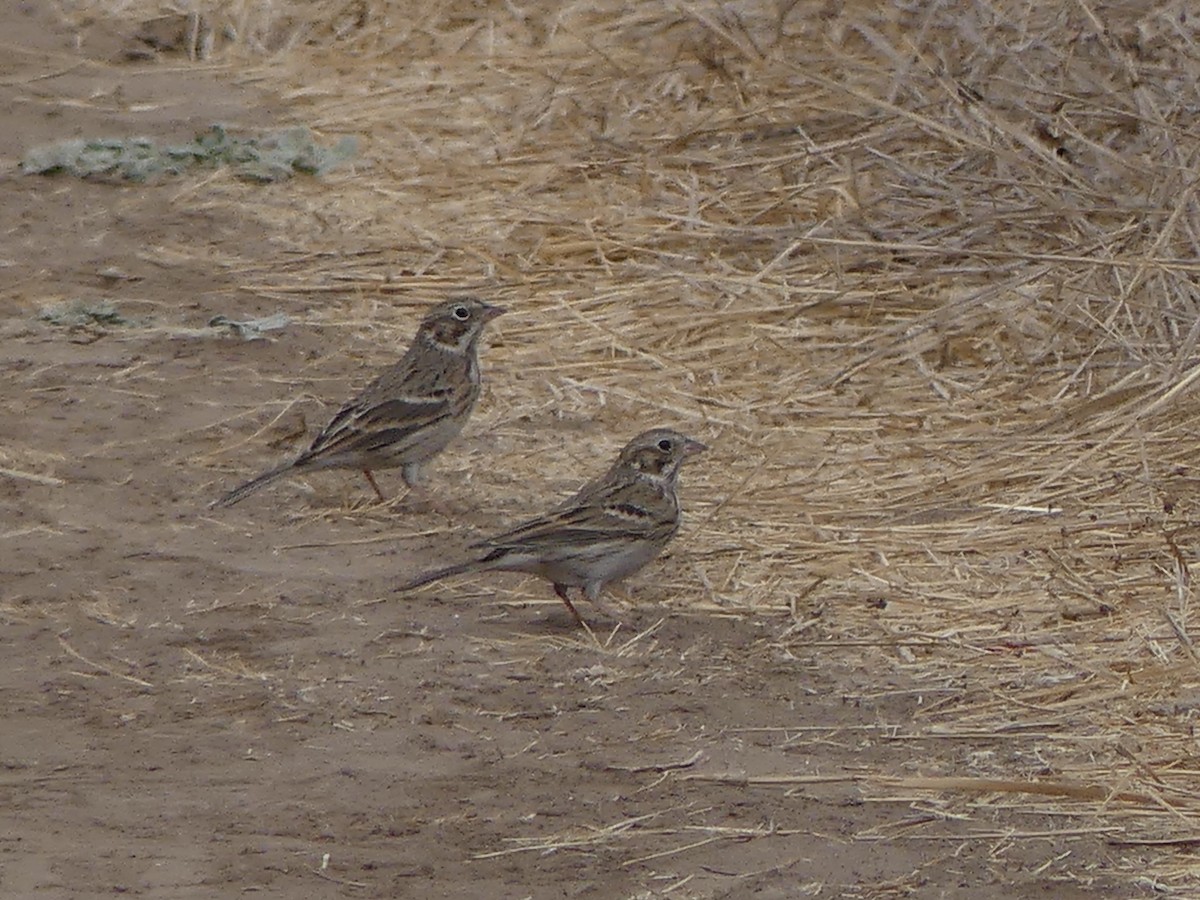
(460, 347)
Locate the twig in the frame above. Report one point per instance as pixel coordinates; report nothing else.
(107, 670)
(18, 475)
(660, 767)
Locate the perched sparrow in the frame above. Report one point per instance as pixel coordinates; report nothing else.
(410, 412)
(610, 529)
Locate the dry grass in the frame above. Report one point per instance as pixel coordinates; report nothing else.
(923, 275)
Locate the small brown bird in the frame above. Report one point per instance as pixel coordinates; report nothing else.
(410, 412)
(611, 528)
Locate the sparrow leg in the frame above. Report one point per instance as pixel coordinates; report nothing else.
(561, 590)
(417, 499)
(411, 473)
(378, 492)
(592, 592)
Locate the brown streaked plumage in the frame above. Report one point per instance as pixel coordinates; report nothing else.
(611, 528)
(410, 412)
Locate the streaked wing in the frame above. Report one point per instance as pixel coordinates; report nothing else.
(364, 426)
(614, 513)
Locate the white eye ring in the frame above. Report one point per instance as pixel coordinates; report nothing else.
(462, 313)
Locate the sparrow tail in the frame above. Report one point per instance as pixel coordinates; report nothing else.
(243, 491)
(436, 575)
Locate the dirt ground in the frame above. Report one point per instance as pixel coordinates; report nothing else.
(207, 705)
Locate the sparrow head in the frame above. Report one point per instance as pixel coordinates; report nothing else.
(659, 453)
(457, 324)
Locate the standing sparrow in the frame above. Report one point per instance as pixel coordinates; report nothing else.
(410, 412)
(610, 529)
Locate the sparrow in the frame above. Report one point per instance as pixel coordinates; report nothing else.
(609, 529)
(410, 412)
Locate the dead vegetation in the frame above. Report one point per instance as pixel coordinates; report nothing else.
(923, 275)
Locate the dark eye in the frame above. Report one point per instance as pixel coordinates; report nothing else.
(462, 313)
(665, 445)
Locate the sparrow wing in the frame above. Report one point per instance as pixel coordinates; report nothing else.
(610, 513)
(365, 424)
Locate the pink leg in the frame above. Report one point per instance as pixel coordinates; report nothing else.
(378, 492)
(561, 590)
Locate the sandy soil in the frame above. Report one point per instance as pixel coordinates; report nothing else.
(201, 705)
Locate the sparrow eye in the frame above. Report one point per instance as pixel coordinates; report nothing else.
(665, 445)
(462, 313)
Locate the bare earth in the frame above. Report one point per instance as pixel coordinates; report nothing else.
(204, 705)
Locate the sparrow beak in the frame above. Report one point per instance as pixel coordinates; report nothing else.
(490, 312)
(692, 447)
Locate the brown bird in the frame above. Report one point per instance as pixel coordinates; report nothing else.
(611, 528)
(410, 412)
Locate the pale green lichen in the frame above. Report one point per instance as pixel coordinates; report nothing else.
(273, 157)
